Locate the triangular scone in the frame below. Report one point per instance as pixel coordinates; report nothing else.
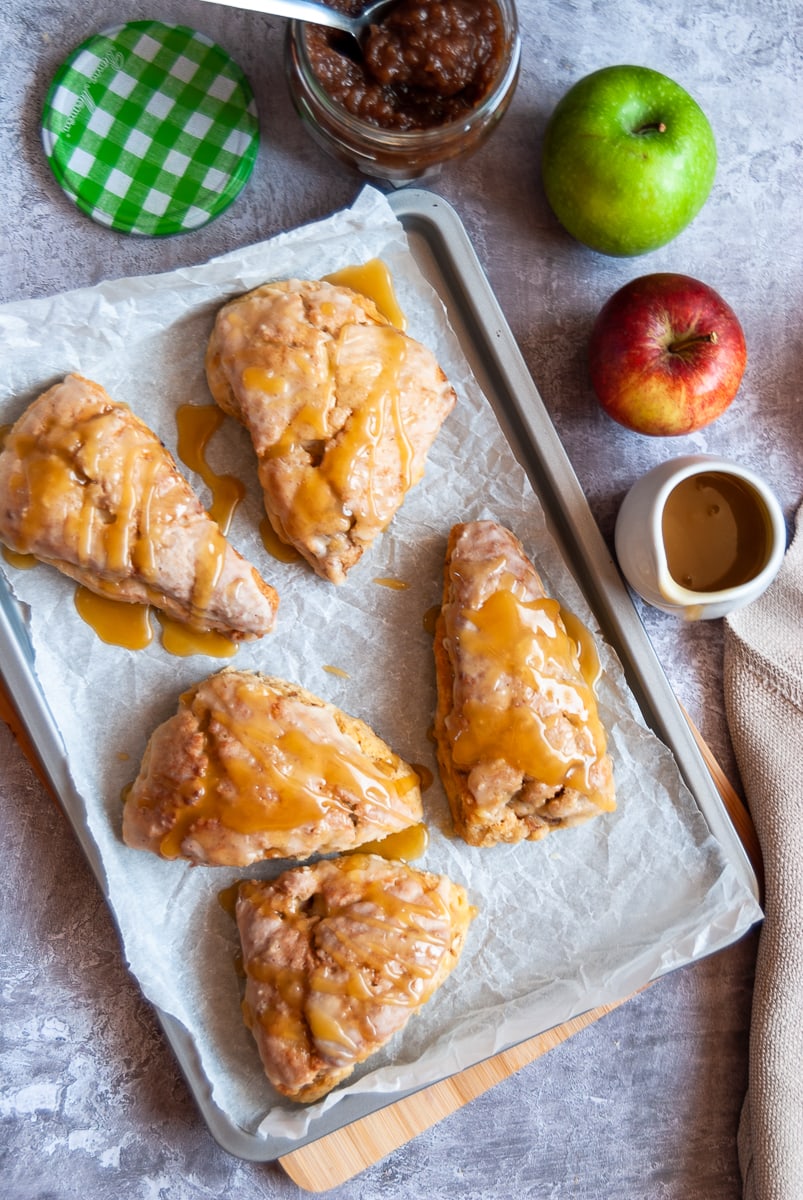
(520, 746)
(337, 957)
(341, 406)
(86, 487)
(252, 767)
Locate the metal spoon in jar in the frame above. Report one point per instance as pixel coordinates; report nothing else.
(317, 14)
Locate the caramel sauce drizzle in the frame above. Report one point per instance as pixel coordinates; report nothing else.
(116, 623)
(195, 424)
(587, 652)
(405, 844)
(117, 534)
(281, 551)
(265, 771)
(227, 898)
(396, 963)
(430, 618)
(182, 641)
(396, 585)
(374, 280)
(424, 774)
(348, 463)
(521, 647)
(23, 562)
(317, 503)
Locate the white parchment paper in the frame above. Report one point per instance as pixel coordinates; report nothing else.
(582, 918)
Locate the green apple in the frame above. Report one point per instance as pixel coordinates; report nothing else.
(629, 158)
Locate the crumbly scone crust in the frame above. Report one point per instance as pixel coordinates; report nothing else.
(341, 406)
(252, 767)
(87, 488)
(491, 799)
(338, 955)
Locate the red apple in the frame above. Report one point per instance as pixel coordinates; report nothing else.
(667, 355)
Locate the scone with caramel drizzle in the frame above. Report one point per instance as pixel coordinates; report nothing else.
(252, 767)
(337, 957)
(86, 487)
(520, 746)
(341, 406)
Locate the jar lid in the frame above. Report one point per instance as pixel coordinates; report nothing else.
(150, 128)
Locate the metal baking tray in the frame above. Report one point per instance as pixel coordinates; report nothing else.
(444, 253)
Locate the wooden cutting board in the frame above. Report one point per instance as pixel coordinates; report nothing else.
(339, 1156)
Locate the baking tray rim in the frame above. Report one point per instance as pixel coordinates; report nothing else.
(433, 223)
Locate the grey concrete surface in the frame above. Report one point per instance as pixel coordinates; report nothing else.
(644, 1105)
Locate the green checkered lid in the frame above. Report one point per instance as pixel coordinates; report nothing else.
(150, 128)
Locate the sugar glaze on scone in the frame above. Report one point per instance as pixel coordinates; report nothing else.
(521, 748)
(252, 767)
(86, 487)
(337, 957)
(341, 406)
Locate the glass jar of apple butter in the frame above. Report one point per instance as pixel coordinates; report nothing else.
(429, 84)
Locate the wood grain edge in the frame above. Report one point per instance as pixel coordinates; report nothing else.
(339, 1156)
(736, 808)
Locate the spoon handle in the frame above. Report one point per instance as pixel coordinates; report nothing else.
(297, 10)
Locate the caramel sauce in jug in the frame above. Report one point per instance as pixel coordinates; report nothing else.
(716, 532)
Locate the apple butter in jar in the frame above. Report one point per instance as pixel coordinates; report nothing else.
(428, 84)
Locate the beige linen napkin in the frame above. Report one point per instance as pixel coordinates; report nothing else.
(764, 705)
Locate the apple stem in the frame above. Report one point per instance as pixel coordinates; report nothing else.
(686, 343)
(657, 126)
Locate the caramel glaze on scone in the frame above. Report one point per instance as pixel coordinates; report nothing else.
(338, 956)
(520, 746)
(341, 406)
(252, 767)
(86, 487)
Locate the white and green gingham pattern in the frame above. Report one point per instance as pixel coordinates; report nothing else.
(150, 128)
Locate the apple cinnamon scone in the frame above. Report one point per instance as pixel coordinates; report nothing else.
(341, 406)
(251, 767)
(520, 745)
(86, 487)
(337, 957)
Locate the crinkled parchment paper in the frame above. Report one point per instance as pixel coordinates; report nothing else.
(582, 918)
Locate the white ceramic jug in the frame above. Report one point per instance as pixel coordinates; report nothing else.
(690, 552)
